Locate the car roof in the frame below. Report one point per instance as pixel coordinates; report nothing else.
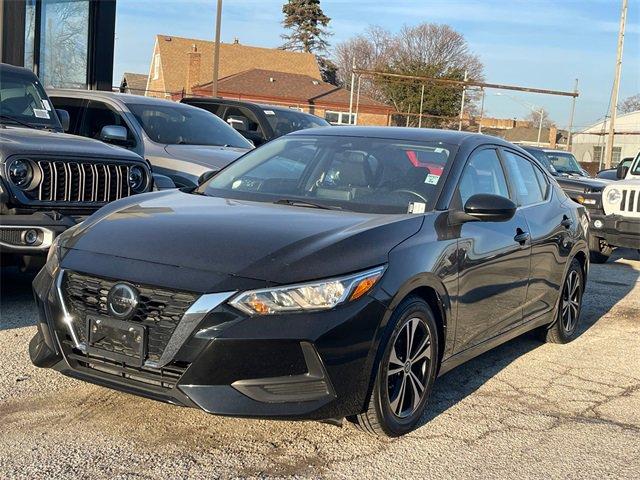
(124, 98)
(6, 67)
(555, 150)
(452, 137)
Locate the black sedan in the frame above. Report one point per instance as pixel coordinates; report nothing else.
(330, 273)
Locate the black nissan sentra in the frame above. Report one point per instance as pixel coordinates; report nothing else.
(331, 273)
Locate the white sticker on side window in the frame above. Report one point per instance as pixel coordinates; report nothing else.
(432, 179)
(41, 113)
(45, 104)
(417, 207)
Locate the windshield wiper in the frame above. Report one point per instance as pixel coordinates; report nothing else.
(303, 203)
(20, 122)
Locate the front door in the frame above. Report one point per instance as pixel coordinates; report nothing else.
(494, 258)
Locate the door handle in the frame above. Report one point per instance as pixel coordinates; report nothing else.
(522, 236)
(566, 222)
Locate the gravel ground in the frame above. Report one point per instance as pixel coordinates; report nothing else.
(523, 410)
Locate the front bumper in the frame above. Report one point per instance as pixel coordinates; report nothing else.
(297, 366)
(47, 226)
(616, 230)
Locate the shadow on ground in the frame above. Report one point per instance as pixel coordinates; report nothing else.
(17, 308)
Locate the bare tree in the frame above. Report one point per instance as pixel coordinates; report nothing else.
(630, 104)
(534, 118)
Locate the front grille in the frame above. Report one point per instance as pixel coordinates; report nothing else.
(11, 236)
(630, 200)
(81, 182)
(159, 310)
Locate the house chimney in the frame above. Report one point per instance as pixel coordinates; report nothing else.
(553, 135)
(193, 69)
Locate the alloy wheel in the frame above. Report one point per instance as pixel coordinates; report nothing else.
(571, 295)
(408, 368)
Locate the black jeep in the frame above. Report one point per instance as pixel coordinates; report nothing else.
(49, 181)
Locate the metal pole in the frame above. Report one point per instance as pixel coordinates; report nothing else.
(421, 105)
(608, 158)
(464, 91)
(351, 87)
(541, 113)
(481, 111)
(573, 111)
(408, 115)
(216, 49)
(358, 99)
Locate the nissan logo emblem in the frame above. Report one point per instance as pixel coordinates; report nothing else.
(122, 300)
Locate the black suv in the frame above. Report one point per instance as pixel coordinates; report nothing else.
(258, 123)
(49, 181)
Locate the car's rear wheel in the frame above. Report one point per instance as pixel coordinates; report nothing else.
(406, 372)
(599, 250)
(565, 327)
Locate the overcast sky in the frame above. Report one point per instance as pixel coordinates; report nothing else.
(539, 43)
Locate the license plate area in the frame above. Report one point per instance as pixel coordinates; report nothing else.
(117, 340)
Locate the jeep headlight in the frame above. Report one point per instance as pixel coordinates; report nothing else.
(304, 297)
(613, 195)
(137, 179)
(21, 173)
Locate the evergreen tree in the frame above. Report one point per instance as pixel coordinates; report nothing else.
(307, 23)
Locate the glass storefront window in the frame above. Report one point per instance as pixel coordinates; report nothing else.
(64, 43)
(29, 32)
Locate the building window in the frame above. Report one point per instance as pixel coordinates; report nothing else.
(29, 33)
(64, 43)
(599, 151)
(156, 66)
(340, 118)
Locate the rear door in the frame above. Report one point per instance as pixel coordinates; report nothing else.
(493, 264)
(549, 222)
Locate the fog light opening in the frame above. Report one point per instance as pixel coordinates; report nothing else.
(598, 224)
(30, 237)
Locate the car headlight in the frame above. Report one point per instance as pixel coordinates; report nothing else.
(304, 297)
(613, 195)
(21, 173)
(137, 179)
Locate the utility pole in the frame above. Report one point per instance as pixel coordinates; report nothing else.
(571, 115)
(216, 50)
(352, 87)
(421, 107)
(464, 91)
(608, 157)
(541, 113)
(481, 111)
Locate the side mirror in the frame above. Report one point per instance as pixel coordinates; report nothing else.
(206, 176)
(489, 208)
(113, 133)
(162, 182)
(65, 120)
(621, 172)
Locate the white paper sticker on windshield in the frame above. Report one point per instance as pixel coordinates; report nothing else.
(269, 112)
(45, 104)
(41, 113)
(417, 207)
(432, 179)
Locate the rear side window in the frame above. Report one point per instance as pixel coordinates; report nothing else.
(99, 115)
(483, 174)
(73, 106)
(529, 183)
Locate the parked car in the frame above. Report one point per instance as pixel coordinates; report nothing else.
(631, 171)
(330, 273)
(584, 190)
(258, 123)
(179, 141)
(49, 181)
(613, 173)
(618, 225)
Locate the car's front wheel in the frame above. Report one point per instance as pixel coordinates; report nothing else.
(406, 372)
(564, 329)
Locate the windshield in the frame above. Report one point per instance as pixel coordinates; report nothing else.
(565, 162)
(543, 159)
(23, 101)
(635, 168)
(285, 121)
(351, 173)
(185, 125)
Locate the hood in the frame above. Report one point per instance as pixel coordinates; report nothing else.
(262, 241)
(25, 141)
(582, 184)
(212, 157)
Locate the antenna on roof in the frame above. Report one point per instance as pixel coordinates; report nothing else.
(236, 41)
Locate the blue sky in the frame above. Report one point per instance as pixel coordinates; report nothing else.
(540, 43)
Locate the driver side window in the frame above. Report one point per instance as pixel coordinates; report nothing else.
(483, 174)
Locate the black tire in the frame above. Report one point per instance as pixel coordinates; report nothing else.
(387, 417)
(564, 329)
(599, 250)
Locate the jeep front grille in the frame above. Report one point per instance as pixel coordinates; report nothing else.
(630, 200)
(85, 182)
